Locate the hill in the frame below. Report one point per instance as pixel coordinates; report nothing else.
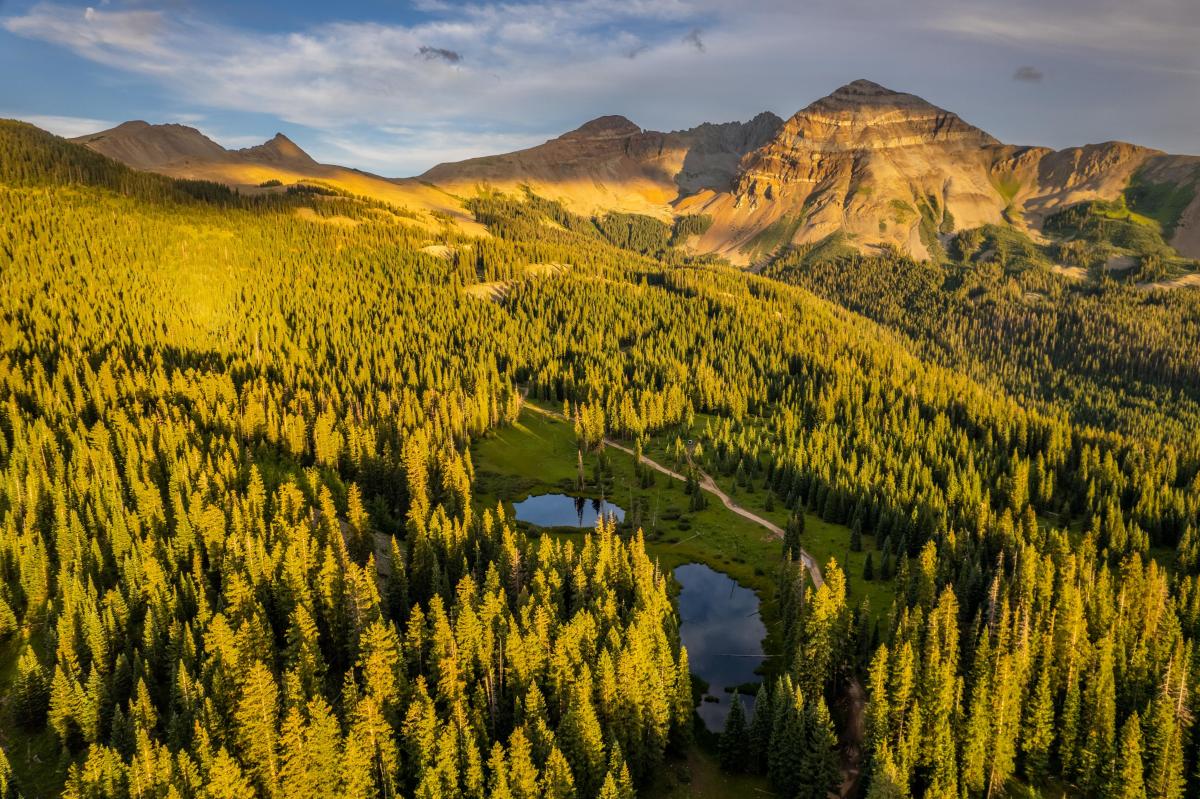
(183, 152)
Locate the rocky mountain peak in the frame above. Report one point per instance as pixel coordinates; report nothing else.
(605, 127)
(277, 149)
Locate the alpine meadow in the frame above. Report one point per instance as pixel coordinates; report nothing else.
(852, 454)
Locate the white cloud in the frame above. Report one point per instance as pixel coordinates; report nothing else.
(67, 127)
(413, 151)
(530, 69)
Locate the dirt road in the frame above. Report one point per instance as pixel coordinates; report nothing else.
(709, 485)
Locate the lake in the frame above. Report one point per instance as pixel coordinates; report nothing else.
(563, 510)
(720, 626)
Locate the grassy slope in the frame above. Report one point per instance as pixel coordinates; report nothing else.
(698, 775)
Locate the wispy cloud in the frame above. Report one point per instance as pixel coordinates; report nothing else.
(529, 69)
(67, 127)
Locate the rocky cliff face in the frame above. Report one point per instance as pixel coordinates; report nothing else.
(279, 150)
(865, 160)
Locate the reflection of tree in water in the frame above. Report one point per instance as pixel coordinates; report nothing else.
(579, 505)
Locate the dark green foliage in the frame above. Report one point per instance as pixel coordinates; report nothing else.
(1117, 357)
(1162, 202)
(735, 743)
(1101, 222)
(636, 232)
(689, 225)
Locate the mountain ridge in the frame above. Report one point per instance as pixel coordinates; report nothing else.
(181, 151)
(886, 169)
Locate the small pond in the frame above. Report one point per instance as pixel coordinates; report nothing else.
(562, 510)
(720, 626)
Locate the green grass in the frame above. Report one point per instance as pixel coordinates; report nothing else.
(538, 455)
(1162, 202)
(1112, 224)
(902, 212)
(822, 539)
(1007, 185)
(775, 235)
(698, 775)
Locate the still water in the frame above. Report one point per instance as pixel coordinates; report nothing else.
(562, 510)
(720, 626)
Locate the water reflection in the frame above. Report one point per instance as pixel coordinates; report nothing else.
(563, 510)
(720, 626)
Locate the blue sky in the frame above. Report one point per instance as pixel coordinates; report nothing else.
(396, 87)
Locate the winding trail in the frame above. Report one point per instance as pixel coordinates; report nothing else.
(706, 484)
(852, 732)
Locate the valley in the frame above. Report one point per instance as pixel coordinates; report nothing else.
(484, 484)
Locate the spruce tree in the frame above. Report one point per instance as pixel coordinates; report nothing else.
(821, 774)
(733, 744)
(1126, 781)
(760, 729)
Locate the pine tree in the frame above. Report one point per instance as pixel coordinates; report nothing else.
(820, 759)
(886, 781)
(793, 535)
(257, 714)
(1038, 733)
(733, 744)
(1096, 755)
(1165, 775)
(684, 702)
(1126, 781)
(7, 789)
(609, 789)
(498, 787)
(582, 741)
(557, 782)
(226, 779)
(760, 729)
(523, 775)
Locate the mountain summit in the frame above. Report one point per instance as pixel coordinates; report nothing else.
(279, 149)
(882, 167)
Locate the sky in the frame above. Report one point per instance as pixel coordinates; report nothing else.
(395, 87)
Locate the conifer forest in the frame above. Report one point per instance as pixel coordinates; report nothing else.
(249, 545)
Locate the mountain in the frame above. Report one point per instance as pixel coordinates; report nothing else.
(884, 168)
(874, 167)
(184, 152)
(612, 164)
